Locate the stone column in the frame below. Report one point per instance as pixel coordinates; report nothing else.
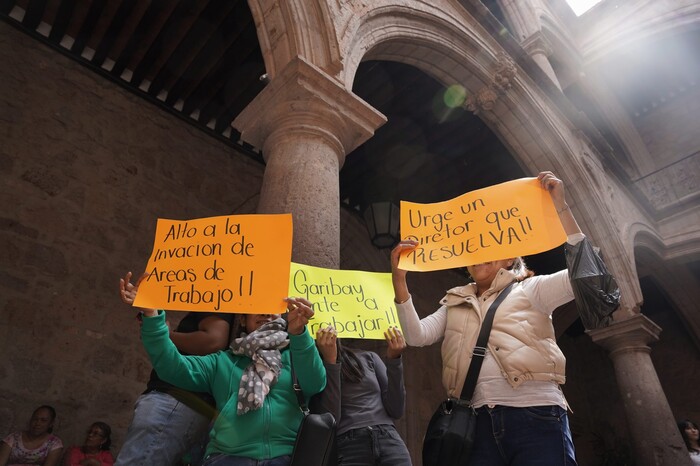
(306, 123)
(521, 17)
(655, 437)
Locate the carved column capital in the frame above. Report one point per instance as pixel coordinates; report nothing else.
(302, 98)
(537, 43)
(539, 48)
(632, 334)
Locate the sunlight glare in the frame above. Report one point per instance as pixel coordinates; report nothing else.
(581, 6)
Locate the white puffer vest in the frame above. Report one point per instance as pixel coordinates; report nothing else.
(522, 339)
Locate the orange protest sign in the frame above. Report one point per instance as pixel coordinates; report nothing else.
(234, 263)
(511, 219)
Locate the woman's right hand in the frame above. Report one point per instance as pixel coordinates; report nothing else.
(398, 276)
(404, 245)
(325, 341)
(128, 291)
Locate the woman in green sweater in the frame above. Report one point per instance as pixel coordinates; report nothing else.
(251, 382)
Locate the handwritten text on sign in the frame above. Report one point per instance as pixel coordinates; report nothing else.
(357, 304)
(507, 220)
(235, 263)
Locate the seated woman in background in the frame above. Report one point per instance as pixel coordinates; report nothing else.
(691, 437)
(95, 449)
(36, 445)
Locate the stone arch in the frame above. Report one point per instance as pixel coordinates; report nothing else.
(410, 36)
(641, 236)
(566, 54)
(296, 28)
(536, 132)
(652, 256)
(668, 249)
(563, 48)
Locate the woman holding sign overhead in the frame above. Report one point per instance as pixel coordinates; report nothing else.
(521, 410)
(170, 422)
(365, 394)
(251, 382)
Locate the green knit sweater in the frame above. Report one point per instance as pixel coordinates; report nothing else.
(265, 433)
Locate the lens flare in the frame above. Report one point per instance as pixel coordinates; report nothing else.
(455, 96)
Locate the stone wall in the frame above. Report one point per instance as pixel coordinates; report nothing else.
(670, 129)
(86, 168)
(670, 132)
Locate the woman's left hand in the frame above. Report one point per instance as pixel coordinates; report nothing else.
(396, 343)
(299, 312)
(555, 187)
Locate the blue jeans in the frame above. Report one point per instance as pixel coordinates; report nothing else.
(219, 459)
(533, 436)
(161, 432)
(379, 445)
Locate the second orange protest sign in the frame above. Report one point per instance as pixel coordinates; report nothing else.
(235, 263)
(507, 220)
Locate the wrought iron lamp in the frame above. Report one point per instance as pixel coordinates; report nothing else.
(382, 220)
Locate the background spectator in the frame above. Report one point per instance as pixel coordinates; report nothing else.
(36, 445)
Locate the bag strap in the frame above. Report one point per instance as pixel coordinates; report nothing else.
(297, 388)
(479, 351)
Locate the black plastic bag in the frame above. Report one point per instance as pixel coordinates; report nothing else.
(596, 291)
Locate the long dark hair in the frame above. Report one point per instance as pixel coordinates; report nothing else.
(351, 368)
(682, 425)
(106, 432)
(52, 413)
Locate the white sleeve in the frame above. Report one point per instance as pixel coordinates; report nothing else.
(421, 332)
(575, 238)
(548, 292)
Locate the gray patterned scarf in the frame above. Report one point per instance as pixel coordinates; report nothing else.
(263, 347)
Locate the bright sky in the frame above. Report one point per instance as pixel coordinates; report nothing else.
(581, 6)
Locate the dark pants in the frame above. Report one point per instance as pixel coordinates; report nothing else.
(534, 436)
(379, 445)
(219, 459)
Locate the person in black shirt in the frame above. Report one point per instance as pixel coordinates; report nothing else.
(168, 421)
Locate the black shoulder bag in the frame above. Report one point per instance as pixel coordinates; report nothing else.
(315, 444)
(450, 434)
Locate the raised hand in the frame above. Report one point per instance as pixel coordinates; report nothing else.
(404, 245)
(555, 187)
(326, 343)
(398, 276)
(299, 313)
(128, 290)
(395, 343)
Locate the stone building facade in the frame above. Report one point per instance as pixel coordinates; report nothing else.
(87, 167)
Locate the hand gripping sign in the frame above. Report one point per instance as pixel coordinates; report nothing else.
(234, 263)
(511, 219)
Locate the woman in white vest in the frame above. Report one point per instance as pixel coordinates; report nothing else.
(521, 409)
